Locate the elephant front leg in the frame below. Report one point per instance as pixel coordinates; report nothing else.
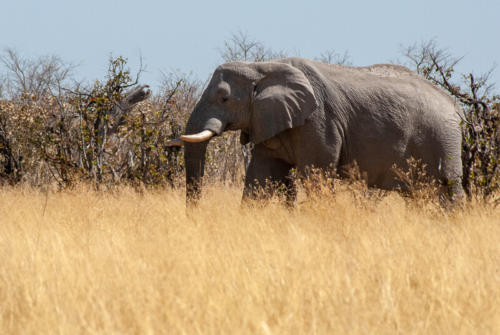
(267, 176)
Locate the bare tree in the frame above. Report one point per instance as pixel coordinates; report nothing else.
(438, 66)
(241, 47)
(38, 77)
(180, 89)
(333, 57)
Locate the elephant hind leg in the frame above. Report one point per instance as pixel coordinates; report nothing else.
(451, 189)
(451, 192)
(267, 176)
(450, 173)
(441, 154)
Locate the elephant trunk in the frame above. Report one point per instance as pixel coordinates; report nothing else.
(195, 147)
(194, 156)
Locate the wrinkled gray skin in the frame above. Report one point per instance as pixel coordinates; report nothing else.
(302, 113)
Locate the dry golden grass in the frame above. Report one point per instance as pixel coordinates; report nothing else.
(123, 262)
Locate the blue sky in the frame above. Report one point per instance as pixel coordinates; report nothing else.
(187, 35)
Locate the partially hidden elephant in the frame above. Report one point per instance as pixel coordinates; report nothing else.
(301, 113)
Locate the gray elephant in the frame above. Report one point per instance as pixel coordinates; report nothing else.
(301, 113)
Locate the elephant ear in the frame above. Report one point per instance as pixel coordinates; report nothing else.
(283, 99)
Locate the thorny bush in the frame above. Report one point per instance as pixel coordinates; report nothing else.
(105, 134)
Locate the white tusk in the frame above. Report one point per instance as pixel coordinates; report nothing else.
(200, 137)
(174, 143)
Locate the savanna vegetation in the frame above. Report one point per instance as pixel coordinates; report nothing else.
(356, 262)
(55, 130)
(95, 236)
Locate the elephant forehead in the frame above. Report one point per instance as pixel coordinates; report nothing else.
(236, 71)
(223, 88)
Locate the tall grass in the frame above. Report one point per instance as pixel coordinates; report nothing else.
(126, 262)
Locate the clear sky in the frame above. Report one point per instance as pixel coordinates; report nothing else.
(186, 35)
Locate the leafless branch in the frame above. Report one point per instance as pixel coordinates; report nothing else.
(333, 57)
(38, 77)
(241, 47)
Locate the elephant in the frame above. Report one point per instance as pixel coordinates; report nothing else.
(300, 113)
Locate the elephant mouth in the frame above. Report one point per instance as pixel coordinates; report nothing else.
(213, 128)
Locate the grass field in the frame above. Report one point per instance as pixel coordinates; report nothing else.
(124, 262)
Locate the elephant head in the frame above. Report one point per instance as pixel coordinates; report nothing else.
(261, 99)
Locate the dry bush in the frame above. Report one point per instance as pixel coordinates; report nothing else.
(227, 159)
(102, 134)
(417, 186)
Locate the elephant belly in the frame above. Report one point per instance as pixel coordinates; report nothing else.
(374, 161)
